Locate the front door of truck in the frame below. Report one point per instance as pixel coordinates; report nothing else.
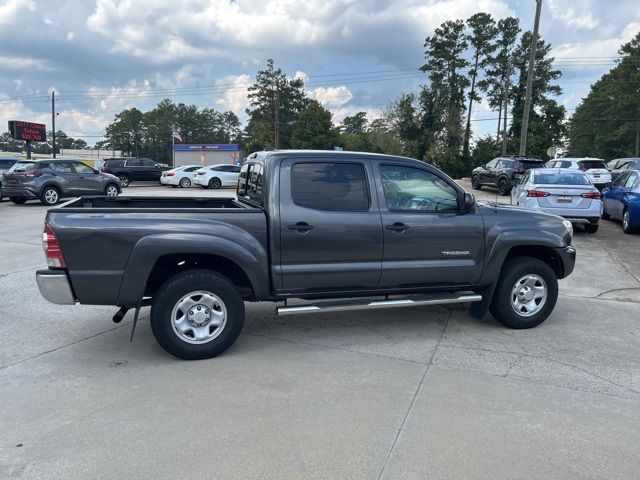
(428, 240)
(330, 229)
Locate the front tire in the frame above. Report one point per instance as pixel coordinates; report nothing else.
(50, 196)
(111, 190)
(526, 293)
(503, 187)
(627, 226)
(18, 200)
(215, 183)
(475, 182)
(197, 314)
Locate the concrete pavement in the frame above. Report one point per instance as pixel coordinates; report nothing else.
(406, 393)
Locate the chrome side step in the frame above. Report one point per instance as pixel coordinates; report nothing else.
(351, 305)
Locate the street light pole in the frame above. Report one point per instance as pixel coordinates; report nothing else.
(527, 99)
(53, 120)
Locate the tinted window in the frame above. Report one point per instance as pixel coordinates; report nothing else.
(411, 189)
(133, 163)
(147, 162)
(506, 164)
(24, 166)
(191, 169)
(235, 169)
(564, 178)
(528, 164)
(115, 163)
(631, 181)
(242, 179)
(621, 180)
(82, 168)
(330, 186)
(255, 184)
(6, 164)
(491, 164)
(589, 164)
(62, 167)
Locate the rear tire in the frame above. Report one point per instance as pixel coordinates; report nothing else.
(511, 304)
(50, 196)
(185, 182)
(215, 183)
(475, 182)
(591, 228)
(181, 302)
(18, 200)
(503, 187)
(627, 226)
(124, 180)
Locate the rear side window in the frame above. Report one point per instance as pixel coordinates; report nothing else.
(134, 163)
(589, 164)
(24, 166)
(631, 181)
(330, 186)
(506, 164)
(62, 167)
(147, 162)
(114, 163)
(250, 182)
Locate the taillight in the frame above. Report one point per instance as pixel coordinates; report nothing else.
(170, 174)
(591, 195)
(32, 173)
(52, 249)
(537, 193)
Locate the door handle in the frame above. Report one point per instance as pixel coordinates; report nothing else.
(301, 227)
(397, 227)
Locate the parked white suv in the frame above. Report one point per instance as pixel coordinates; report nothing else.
(216, 176)
(595, 168)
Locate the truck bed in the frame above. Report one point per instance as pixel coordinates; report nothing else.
(156, 203)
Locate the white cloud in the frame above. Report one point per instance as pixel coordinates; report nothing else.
(564, 11)
(331, 96)
(47, 20)
(595, 48)
(235, 95)
(11, 10)
(339, 114)
(70, 36)
(24, 63)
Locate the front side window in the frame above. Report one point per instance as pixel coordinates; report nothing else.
(330, 186)
(412, 189)
(147, 162)
(82, 168)
(631, 180)
(621, 180)
(491, 164)
(62, 167)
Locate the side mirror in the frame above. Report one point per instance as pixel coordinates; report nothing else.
(469, 202)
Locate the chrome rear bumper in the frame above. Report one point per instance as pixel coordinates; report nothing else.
(54, 286)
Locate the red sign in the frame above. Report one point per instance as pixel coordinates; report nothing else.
(30, 132)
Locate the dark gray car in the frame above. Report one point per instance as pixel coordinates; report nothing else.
(5, 164)
(50, 180)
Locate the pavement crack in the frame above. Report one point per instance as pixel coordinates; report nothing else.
(3, 367)
(415, 395)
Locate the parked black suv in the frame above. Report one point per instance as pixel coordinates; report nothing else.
(503, 173)
(131, 169)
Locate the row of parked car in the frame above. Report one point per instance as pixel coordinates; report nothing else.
(581, 190)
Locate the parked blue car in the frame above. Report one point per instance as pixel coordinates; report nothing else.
(622, 200)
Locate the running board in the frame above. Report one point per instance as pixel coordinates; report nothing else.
(347, 306)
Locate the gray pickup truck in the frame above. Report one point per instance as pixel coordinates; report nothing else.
(339, 230)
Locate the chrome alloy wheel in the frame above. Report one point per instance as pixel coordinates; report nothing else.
(51, 196)
(626, 220)
(528, 295)
(199, 317)
(112, 191)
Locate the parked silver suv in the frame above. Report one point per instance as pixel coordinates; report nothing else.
(50, 180)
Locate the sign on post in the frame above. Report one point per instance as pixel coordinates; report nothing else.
(28, 131)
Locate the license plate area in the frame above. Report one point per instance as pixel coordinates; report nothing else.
(564, 199)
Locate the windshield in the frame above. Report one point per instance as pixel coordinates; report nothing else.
(589, 164)
(564, 178)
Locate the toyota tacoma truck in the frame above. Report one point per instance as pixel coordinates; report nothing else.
(335, 230)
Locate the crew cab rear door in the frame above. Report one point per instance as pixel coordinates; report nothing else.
(330, 228)
(428, 240)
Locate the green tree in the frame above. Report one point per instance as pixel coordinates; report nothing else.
(497, 69)
(481, 39)
(606, 124)
(313, 129)
(484, 150)
(356, 124)
(127, 131)
(272, 84)
(546, 117)
(446, 67)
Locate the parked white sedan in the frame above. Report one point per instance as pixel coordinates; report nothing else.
(216, 176)
(180, 176)
(564, 192)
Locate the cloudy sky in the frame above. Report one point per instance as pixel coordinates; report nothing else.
(102, 56)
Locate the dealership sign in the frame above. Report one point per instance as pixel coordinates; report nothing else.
(200, 147)
(27, 131)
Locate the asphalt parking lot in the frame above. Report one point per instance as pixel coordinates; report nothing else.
(396, 394)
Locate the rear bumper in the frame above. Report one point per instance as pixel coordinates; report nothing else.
(169, 181)
(11, 191)
(568, 258)
(54, 286)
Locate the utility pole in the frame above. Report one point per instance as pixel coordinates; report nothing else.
(505, 99)
(276, 117)
(53, 120)
(638, 138)
(527, 98)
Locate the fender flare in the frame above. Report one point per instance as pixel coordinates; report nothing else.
(252, 260)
